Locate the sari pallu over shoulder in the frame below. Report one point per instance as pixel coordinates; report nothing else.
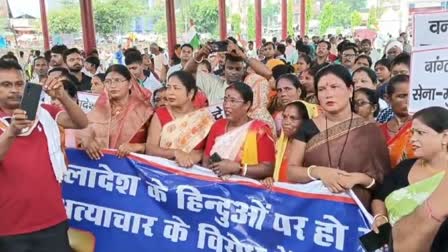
(187, 132)
(365, 151)
(241, 144)
(399, 146)
(113, 130)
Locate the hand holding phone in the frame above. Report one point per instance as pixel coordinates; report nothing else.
(215, 158)
(219, 46)
(373, 241)
(30, 100)
(19, 122)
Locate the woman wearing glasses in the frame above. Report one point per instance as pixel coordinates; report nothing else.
(366, 104)
(245, 146)
(120, 117)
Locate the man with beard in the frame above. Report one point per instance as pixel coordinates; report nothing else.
(235, 67)
(57, 59)
(74, 61)
(40, 70)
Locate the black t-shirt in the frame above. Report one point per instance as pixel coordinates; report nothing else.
(398, 179)
(85, 84)
(307, 130)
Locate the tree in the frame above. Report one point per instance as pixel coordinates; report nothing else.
(342, 12)
(291, 17)
(270, 11)
(157, 15)
(235, 23)
(205, 15)
(65, 20)
(356, 19)
(354, 5)
(372, 21)
(115, 15)
(327, 17)
(251, 22)
(309, 14)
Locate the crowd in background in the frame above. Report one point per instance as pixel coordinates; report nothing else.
(296, 110)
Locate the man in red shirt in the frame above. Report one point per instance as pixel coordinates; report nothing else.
(32, 214)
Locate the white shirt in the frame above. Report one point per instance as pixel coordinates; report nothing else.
(173, 69)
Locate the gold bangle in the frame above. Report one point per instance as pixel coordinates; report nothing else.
(244, 170)
(380, 215)
(371, 184)
(308, 172)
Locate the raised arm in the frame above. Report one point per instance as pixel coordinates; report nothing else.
(258, 67)
(192, 64)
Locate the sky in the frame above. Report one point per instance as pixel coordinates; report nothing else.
(31, 7)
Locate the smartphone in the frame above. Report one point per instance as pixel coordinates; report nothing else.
(215, 158)
(373, 241)
(30, 99)
(219, 46)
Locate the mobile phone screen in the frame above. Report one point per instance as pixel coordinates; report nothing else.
(30, 99)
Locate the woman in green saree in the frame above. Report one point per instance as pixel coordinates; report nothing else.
(414, 180)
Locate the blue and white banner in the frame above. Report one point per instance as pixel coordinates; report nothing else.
(143, 203)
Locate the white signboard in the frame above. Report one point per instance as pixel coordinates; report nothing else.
(430, 29)
(217, 111)
(87, 101)
(429, 75)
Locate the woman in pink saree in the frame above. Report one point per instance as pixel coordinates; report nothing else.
(120, 117)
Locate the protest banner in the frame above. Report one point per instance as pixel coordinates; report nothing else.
(429, 72)
(87, 100)
(430, 29)
(143, 203)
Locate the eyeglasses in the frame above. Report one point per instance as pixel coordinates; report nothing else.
(232, 101)
(361, 103)
(114, 81)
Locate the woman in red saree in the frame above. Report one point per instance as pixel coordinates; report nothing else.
(178, 130)
(338, 147)
(398, 131)
(120, 117)
(246, 146)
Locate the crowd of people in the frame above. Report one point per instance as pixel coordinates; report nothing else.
(296, 111)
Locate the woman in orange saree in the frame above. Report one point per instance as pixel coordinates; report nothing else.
(120, 117)
(245, 146)
(178, 130)
(338, 147)
(398, 131)
(293, 116)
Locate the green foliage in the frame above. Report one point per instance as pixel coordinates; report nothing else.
(65, 20)
(205, 16)
(270, 11)
(157, 15)
(327, 17)
(291, 17)
(309, 14)
(112, 16)
(356, 19)
(372, 21)
(251, 22)
(342, 12)
(354, 5)
(235, 22)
